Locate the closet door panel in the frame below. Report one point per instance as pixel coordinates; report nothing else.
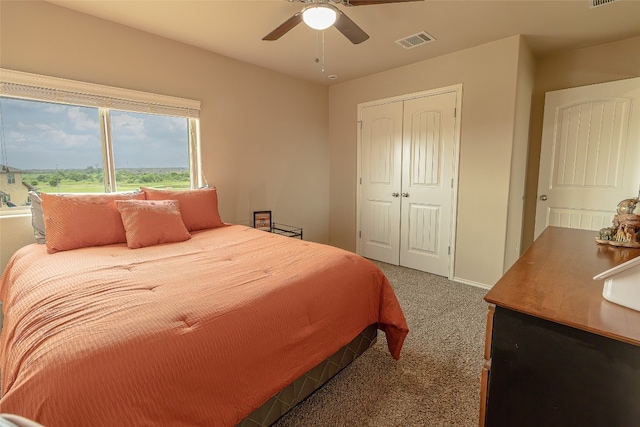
(427, 174)
(424, 223)
(381, 185)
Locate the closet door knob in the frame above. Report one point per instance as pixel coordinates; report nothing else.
(395, 194)
(405, 194)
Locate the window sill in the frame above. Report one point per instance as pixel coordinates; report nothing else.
(15, 212)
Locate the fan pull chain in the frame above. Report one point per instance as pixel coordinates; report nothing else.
(317, 46)
(323, 52)
(320, 50)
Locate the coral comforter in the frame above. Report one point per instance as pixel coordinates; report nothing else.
(194, 333)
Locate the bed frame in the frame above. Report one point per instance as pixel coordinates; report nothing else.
(303, 387)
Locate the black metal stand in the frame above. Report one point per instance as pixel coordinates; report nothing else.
(286, 230)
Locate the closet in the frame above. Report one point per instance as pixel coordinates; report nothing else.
(407, 164)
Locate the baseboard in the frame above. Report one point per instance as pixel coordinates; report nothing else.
(471, 283)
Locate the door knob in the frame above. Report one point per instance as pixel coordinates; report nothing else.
(543, 197)
(395, 194)
(405, 194)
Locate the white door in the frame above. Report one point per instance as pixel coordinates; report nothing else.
(427, 183)
(407, 174)
(590, 154)
(381, 161)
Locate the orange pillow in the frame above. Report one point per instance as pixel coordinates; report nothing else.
(75, 221)
(149, 222)
(199, 208)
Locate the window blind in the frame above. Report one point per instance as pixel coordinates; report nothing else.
(17, 84)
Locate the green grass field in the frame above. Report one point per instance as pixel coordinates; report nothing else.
(95, 184)
(94, 187)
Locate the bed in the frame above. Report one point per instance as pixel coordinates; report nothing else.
(205, 331)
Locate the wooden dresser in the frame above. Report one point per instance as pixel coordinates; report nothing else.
(556, 352)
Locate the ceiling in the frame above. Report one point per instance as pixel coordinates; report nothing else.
(235, 29)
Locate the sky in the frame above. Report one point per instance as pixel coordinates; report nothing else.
(39, 135)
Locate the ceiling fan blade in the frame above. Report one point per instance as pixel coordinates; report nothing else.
(368, 2)
(350, 29)
(284, 27)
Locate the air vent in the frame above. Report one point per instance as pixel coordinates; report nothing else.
(416, 40)
(596, 3)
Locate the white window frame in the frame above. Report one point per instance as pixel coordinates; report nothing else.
(17, 84)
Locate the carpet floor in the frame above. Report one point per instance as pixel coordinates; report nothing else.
(435, 383)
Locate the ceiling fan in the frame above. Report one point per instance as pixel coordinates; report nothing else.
(321, 14)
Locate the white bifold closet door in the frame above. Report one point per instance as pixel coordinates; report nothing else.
(407, 176)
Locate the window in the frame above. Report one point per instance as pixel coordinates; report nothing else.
(64, 136)
(51, 146)
(150, 150)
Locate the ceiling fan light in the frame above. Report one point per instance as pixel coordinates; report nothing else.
(319, 17)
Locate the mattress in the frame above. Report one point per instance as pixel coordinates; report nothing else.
(201, 332)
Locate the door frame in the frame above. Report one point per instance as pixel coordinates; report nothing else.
(457, 88)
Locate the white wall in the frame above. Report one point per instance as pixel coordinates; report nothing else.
(489, 74)
(517, 181)
(264, 135)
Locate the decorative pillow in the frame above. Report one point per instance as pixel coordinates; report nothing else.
(37, 220)
(151, 222)
(80, 220)
(199, 208)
